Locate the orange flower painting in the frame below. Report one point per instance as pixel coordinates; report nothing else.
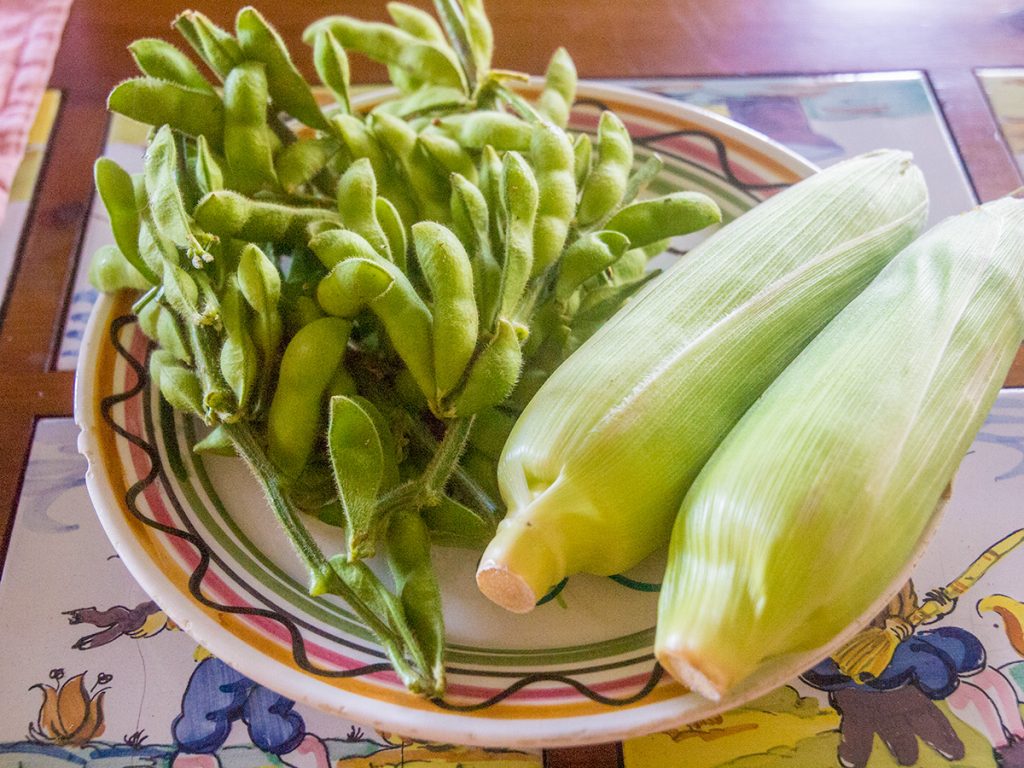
(71, 714)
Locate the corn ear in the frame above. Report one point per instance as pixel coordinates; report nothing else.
(600, 459)
(815, 501)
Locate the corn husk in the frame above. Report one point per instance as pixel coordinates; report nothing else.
(596, 466)
(816, 500)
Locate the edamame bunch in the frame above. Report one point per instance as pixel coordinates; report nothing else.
(342, 296)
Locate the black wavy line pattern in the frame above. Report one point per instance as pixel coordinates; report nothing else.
(719, 146)
(206, 558)
(657, 672)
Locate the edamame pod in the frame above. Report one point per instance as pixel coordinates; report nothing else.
(388, 426)
(110, 271)
(151, 252)
(342, 383)
(178, 385)
(556, 100)
(297, 163)
(164, 61)
(421, 25)
(631, 265)
(182, 293)
(295, 415)
(361, 142)
(678, 213)
(519, 202)
(481, 36)
(357, 205)
(217, 47)
(357, 460)
(246, 141)
(492, 375)
(208, 171)
(428, 186)
(475, 130)
(147, 313)
(117, 191)
(331, 64)
(416, 584)
(641, 177)
(586, 257)
(162, 326)
(552, 155)
(229, 214)
(582, 149)
(490, 187)
(604, 186)
(454, 21)
(378, 284)
(166, 207)
(416, 22)
(288, 89)
(337, 245)
(238, 360)
(448, 156)
(393, 47)
(159, 102)
(471, 221)
(299, 312)
(449, 276)
(260, 284)
(425, 100)
(391, 224)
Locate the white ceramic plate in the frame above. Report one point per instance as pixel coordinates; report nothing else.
(197, 535)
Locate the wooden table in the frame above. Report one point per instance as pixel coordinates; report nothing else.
(948, 41)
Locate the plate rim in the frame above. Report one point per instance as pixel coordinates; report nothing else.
(442, 725)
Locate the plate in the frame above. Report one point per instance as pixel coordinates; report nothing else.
(197, 535)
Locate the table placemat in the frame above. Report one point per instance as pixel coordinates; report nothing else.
(99, 639)
(1004, 88)
(19, 204)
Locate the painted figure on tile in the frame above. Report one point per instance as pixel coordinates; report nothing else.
(215, 698)
(886, 680)
(144, 620)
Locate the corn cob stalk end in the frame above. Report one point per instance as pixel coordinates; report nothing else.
(520, 565)
(509, 590)
(697, 671)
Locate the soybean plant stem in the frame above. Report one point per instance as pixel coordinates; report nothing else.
(323, 577)
(480, 498)
(446, 459)
(426, 490)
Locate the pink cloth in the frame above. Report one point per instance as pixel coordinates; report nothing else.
(30, 32)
